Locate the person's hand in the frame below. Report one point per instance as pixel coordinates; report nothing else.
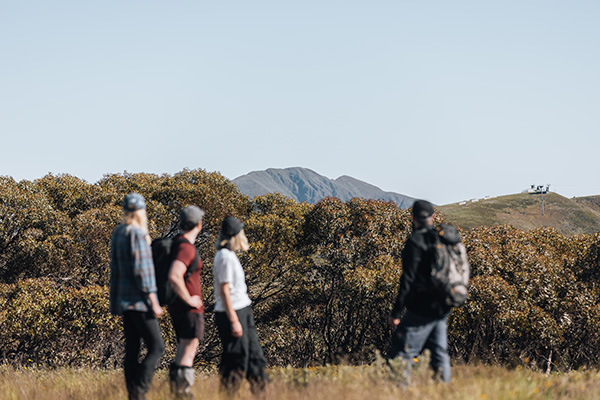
(157, 309)
(393, 322)
(195, 302)
(236, 329)
(155, 305)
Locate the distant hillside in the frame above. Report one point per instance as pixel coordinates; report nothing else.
(593, 202)
(305, 185)
(524, 211)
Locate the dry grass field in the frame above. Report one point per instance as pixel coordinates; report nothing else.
(524, 211)
(324, 383)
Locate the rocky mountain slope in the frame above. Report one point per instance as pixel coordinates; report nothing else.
(305, 185)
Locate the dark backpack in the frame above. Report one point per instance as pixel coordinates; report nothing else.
(450, 268)
(163, 251)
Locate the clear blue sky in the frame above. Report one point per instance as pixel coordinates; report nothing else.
(444, 100)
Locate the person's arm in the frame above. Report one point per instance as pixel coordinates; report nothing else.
(236, 326)
(177, 279)
(143, 270)
(411, 257)
(114, 278)
(155, 304)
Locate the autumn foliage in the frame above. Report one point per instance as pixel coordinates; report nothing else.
(322, 277)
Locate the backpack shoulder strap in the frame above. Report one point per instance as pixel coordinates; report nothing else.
(432, 238)
(194, 265)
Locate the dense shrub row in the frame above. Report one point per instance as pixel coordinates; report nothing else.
(322, 276)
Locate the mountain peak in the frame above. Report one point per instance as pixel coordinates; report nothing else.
(305, 185)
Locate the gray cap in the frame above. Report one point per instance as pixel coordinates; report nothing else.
(133, 202)
(189, 217)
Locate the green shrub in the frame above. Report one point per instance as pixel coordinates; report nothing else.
(322, 277)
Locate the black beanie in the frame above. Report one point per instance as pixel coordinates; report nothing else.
(231, 226)
(422, 209)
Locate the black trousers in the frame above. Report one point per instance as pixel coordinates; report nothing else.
(140, 326)
(242, 357)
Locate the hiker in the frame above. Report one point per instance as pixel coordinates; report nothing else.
(133, 295)
(242, 353)
(187, 310)
(424, 325)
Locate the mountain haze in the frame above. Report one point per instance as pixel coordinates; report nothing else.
(305, 185)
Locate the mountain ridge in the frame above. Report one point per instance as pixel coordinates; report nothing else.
(305, 185)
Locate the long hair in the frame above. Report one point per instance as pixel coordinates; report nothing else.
(238, 242)
(137, 218)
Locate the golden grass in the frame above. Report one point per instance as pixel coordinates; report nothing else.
(524, 211)
(324, 383)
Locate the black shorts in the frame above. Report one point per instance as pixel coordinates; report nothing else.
(188, 325)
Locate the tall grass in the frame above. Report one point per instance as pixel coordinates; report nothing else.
(372, 382)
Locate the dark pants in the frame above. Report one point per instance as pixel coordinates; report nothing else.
(140, 326)
(242, 357)
(416, 333)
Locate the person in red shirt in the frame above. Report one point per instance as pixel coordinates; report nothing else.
(187, 311)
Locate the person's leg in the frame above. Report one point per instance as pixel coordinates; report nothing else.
(186, 352)
(409, 338)
(132, 351)
(189, 328)
(244, 317)
(255, 372)
(149, 330)
(437, 343)
(181, 381)
(181, 374)
(233, 362)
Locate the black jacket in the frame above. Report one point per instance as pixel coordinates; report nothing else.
(416, 292)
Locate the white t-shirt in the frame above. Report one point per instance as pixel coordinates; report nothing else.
(227, 269)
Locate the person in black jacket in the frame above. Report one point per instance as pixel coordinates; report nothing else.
(424, 325)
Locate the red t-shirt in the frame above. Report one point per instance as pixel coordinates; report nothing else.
(186, 253)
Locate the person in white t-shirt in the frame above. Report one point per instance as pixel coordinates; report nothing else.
(242, 353)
